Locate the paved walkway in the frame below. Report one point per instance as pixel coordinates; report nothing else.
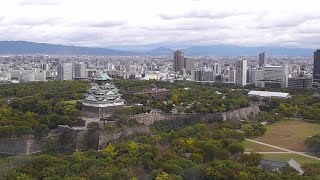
(283, 149)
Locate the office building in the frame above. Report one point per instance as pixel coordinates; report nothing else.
(64, 71)
(80, 70)
(217, 68)
(300, 83)
(15, 74)
(249, 76)
(232, 77)
(276, 74)
(241, 74)
(262, 60)
(178, 61)
(40, 76)
(316, 68)
(203, 75)
(189, 64)
(27, 76)
(257, 75)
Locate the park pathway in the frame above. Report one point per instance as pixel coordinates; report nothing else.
(283, 149)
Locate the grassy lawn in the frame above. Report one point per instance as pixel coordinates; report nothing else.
(254, 147)
(289, 134)
(285, 157)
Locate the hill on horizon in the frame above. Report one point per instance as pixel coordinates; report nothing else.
(24, 47)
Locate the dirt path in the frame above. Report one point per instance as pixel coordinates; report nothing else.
(283, 149)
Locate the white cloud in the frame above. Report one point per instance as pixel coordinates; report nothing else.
(129, 22)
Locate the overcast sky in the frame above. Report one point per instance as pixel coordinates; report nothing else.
(180, 22)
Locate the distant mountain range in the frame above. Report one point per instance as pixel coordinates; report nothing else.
(22, 47)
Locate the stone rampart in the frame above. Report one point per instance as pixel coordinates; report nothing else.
(239, 114)
(83, 138)
(30, 145)
(105, 137)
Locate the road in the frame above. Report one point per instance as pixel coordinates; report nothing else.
(283, 149)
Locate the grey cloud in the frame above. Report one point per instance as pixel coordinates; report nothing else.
(103, 24)
(34, 21)
(40, 2)
(285, 22)
(193, 25)
(199, 15)
(98, 24)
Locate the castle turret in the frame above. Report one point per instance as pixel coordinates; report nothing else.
(102, 98)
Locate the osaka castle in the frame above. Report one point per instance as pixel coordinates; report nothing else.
(102, 99)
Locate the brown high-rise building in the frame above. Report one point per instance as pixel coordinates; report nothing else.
(178, 61)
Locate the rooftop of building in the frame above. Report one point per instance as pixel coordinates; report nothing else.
(269, 94)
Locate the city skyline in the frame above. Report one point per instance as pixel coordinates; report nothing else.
(167, 23)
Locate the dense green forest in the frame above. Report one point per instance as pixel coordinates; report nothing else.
(34, 108)
(202, 151)
(304, 104)
(193, 151)
(189, 97)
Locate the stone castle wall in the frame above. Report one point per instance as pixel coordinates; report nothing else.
(99, 112)
(29, 146)
(105, 137)
(239, 114)
(82, 138)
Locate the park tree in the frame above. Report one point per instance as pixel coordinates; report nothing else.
(110, 151)
(41, 130)
(313, 143)
(252, 159)
(311, 169)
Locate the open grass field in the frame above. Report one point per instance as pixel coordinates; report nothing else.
(289, 134)
(254, 147)
(287, 156)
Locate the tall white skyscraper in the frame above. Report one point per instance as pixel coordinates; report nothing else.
(241, 77)
(64, 71)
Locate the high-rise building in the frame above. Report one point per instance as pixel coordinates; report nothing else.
(203, 75)
(80, 70)
(189, 64)
(27, 75)
(178, 61)
(257, 75)
(262, 60)
(241, 77)
(233, 74)
(316, 68)
(217, 68)
(278, 74)
(64, 71)
(40, 76)
(249, 76)
(300, 83)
